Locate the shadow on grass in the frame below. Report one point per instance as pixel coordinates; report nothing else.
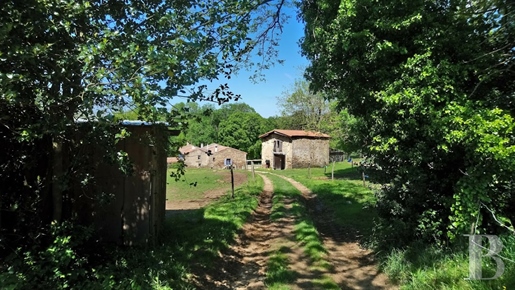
(351, 173)
(344, 209)
(188, 252)
(204, 234)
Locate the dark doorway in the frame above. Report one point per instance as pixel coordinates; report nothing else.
(279, 161)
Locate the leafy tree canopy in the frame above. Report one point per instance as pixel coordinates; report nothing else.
(64, 60)
(302, 109)
(306, 110)
(432, 82)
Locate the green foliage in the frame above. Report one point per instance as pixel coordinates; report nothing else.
(241, 131)
(235, 125)
(62, 264)
(432, 84)
(96, 60)
(304, 110)
(301, 109)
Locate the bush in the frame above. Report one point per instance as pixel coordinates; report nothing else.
(62, 263)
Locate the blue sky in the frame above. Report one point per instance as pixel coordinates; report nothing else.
(262, 96)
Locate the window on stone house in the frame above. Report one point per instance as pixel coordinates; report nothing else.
(198, 157)
(278, 146)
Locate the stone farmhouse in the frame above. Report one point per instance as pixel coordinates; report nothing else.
(284, 149)
(212, 156)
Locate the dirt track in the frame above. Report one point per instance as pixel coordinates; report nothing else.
(352, 266)
(243, 265)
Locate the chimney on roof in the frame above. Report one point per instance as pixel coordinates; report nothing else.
(201, 145)
(216, 148)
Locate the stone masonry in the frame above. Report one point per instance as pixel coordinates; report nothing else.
(299, 148)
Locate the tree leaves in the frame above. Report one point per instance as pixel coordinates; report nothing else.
(89, 60)
(428, 80)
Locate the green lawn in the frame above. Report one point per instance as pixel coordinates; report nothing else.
(196, 182)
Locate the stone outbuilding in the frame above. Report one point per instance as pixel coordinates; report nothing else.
(284, 149)
(213, 156)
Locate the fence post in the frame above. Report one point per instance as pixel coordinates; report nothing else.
(232, 182)
(332, 172)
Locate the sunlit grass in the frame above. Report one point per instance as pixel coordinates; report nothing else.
(196, 182)
(351, 203)
(304, 230)
(211, 229)
(278, 274)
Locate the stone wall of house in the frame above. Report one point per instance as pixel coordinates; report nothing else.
(308, 151)
(199, 158)
(196, 158)
(239, 158)
(267, 150)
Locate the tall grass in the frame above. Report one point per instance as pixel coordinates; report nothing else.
(429, 267)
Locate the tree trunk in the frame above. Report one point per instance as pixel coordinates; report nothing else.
(57, 173)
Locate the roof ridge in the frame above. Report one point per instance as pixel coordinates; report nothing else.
(295, 133)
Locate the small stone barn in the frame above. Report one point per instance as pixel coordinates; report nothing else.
(283, 149)
(128, 209)
(213, 156)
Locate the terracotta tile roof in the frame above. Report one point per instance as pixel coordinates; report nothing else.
(296, 133)
(170, 160)
(212, 147)
(187, 148)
